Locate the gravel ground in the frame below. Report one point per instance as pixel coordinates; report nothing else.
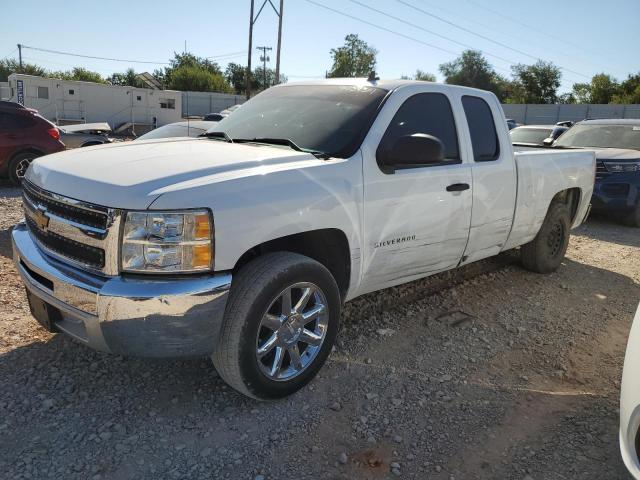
(491, 372)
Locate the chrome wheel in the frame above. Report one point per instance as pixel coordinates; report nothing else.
(292, 331)
(22, 166)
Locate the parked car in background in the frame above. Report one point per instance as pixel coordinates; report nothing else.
(244, 244)
(617, 146)
(536, 135)
(191, 128)
(24, 136)
(213, 117)
(629, 434)
(85, 134)
(228, 111)
(511, 123)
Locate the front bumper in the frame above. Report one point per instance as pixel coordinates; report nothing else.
(128, 315)
(616, 192)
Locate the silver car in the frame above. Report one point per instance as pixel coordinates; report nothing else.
(85, 134)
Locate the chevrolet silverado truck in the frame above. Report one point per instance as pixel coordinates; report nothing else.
(245, 243)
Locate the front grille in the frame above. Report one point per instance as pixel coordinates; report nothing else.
(76, 251)
(95, 217)
(81, 233)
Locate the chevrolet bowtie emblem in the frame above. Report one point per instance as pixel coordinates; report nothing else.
(41, 219)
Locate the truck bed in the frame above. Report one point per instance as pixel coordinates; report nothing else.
(542, 173)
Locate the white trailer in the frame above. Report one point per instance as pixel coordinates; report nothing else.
(67, 102)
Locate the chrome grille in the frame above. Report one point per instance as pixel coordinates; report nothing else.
(73, 231)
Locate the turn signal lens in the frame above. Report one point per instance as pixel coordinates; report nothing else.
(202, 227)
(201, 256)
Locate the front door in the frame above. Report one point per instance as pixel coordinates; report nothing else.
(416, 220)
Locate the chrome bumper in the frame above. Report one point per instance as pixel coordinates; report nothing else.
(127, 315)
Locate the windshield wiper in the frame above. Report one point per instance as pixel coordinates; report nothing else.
(222, 135)
(285, 142)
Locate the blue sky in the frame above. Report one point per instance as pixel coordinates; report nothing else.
(583, 37)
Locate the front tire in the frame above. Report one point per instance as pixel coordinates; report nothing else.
(19, 165)
(545, 252)
(279, 326)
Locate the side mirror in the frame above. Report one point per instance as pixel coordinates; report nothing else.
(417, 150)
(547, 142)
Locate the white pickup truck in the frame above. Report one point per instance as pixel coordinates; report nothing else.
(244, 244)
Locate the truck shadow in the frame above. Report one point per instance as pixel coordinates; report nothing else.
(609, 230)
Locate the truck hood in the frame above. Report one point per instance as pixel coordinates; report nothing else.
(616, 154)
(131, 175)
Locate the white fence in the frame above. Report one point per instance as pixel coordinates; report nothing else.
(549, 114)
(201, 103)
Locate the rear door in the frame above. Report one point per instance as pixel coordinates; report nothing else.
(494, 176)
(14, 131)
(413, 226)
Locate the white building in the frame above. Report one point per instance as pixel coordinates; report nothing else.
(67, 102)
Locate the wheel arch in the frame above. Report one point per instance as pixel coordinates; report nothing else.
(328, 246)
(571, 197)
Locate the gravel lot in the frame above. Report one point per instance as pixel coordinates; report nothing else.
(491, 373)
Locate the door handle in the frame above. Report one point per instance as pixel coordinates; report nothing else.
(458, 187)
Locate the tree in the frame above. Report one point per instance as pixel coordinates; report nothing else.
(127, 79)
(189, 72)
(603, 88)
(471, 69)
(354, 59)
(258, 77)
(420, 75)
(9, 66)
(628, 91)
(236, 75)
(581, 92)
(77, 74)
(537, 83)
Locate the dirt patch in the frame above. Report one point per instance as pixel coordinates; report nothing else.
(488, 372)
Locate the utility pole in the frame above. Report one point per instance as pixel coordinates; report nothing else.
(279, 42)
(252, 21)
(264, 59)
(248, 75)
(20, 54)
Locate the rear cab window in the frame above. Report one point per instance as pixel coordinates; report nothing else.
(482, 128)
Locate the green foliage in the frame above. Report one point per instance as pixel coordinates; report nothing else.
(628, 91)
(471, 69)
(537, 83)
(420, 75)
(236, 75)
(77, 74)
(189, 72)
(9, 66)
(354, 59)
(127, 79)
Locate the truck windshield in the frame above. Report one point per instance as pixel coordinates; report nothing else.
(331, 119)
(601, 136)
(529, 135)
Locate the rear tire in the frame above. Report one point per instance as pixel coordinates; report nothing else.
(545, 252)
(261, 351)
(18, 166)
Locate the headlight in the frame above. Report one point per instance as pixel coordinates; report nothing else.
(167, 241)
(623, 167)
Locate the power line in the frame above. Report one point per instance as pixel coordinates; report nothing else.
(93, 57)
(380, 27)
(535, 29)
(406, 22)
(230, 55)
(10, 53)
(464, 29)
